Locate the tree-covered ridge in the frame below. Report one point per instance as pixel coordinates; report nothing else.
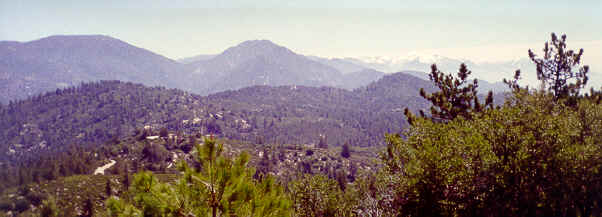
(90, 114)
(94, 113)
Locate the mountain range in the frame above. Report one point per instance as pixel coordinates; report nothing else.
(31, 68)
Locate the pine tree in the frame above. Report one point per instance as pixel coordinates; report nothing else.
(346, 150)
(163, 133)
(456, 96)
(556, 68)
(220, 187)
(88, 209)
(108, 189)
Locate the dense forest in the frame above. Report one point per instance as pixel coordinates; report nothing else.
(97, 112)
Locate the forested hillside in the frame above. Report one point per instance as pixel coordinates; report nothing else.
(94, 113)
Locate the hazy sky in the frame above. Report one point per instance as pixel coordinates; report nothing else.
(479, 30)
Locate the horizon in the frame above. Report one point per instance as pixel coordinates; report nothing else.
(179, 29)
(425, 58)
(411, 54)
(465, 30)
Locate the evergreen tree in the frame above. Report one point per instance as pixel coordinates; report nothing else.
(557, 68)
(126, 180)
(341, 178)
(108, 189)
(346, 150)
(163, 133)
(88, 209)
(220, 187)
(456, 96)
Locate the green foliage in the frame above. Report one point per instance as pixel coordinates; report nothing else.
(319, 196)
(533, 157)
(555, 69)
(49, 208)
(222, 186)
(375, 194)
(456, 96)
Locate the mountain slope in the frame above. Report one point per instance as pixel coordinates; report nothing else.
(260, 62)
(31, 68)
(196, 58)
(360, 78)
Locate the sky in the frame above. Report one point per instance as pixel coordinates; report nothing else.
(479, 30)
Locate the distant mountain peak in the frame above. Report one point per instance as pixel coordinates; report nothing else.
(53, 62)
(257, 48)
(76, 37)
(258, 42)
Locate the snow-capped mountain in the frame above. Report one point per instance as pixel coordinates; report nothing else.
(492, 72)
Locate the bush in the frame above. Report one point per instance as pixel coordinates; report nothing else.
(318, 195)
(533, 157)
(49, 208)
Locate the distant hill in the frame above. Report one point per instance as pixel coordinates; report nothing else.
(93, 113)
(31, 68)
(360, 78)
(387, 93)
